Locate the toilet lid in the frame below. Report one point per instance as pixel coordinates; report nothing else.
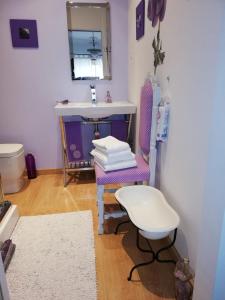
(8, 150)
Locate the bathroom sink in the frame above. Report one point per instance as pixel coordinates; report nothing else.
(99, 110)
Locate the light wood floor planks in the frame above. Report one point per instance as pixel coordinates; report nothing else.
(115, 254)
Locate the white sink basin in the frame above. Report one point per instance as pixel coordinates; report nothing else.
(99, 110)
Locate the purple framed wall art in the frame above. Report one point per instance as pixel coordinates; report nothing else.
(140, 19)
(24, 33)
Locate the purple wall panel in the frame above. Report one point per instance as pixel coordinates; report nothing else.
(119, 130)
(74, 141)
(24, 33)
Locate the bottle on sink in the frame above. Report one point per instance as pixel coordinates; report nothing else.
(108, 98)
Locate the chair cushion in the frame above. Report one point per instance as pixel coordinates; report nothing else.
(139, 173)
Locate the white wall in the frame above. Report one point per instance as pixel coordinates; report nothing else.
(190, 34)
(219, 290)
(33, 79)
(210, 269)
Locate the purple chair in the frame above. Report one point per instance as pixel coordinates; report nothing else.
(141, 173)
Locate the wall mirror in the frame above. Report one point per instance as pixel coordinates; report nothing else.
(89, 40)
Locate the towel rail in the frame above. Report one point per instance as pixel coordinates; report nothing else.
(95, 122)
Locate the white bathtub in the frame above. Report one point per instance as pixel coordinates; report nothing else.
(148, 210)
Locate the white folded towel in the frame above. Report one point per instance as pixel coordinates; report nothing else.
(106, 164)
(117, 166)
(113, 154)
(110, 144)
(112, 157)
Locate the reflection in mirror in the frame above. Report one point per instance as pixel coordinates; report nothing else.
(89, 40)
(86, 51)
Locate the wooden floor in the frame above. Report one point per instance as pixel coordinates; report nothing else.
(115, 254)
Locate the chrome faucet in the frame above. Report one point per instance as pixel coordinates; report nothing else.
(93, 94)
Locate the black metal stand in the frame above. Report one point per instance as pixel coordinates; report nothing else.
(118, 225)
(121, 223)
(155, 255)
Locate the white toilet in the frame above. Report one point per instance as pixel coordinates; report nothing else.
(12, 166)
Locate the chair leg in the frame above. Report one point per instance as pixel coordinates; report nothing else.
(100, 200)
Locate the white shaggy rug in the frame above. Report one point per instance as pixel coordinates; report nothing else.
(54, 258)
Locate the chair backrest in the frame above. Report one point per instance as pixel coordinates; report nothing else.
(146, 105)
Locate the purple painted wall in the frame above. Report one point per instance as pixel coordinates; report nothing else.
(33, 79)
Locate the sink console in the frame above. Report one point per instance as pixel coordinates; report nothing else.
(99, 110)
(95, 114)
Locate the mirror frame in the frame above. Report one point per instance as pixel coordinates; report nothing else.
(108, 49)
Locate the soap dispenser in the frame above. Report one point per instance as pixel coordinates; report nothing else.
(108, 98)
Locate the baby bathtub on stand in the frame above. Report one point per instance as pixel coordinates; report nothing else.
(153, 217)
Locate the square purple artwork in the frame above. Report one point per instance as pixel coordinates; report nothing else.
(140, 20)
(24, 33)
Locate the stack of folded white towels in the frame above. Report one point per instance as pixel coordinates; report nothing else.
(112, 154)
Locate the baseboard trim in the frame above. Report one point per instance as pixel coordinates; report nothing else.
(49, 171)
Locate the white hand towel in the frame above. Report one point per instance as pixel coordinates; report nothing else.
(113, 154)
(112, 157)
(110, 144)
(117, 166)
(105, 164)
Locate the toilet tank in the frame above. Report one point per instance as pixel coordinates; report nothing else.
(12, 165)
